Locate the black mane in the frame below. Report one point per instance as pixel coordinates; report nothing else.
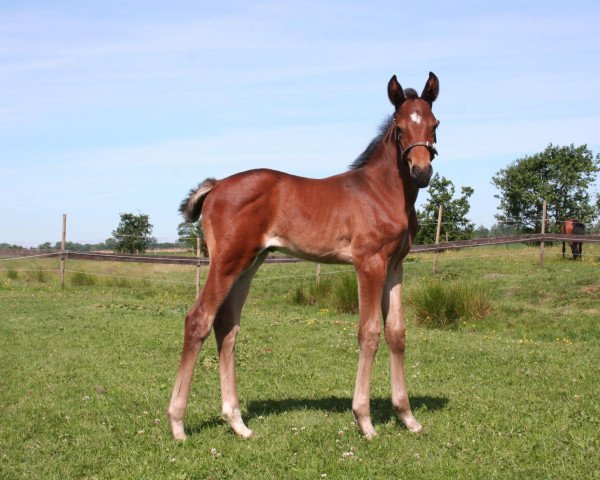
(364, 157)
(411, 94)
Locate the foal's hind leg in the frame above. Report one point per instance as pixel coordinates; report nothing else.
(198, 323)
(395, 336)
(226, 327)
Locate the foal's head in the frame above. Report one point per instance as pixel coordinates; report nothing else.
(415, 125)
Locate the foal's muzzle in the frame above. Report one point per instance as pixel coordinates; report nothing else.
(421, 176)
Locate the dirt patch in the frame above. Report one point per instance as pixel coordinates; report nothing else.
(591, 289)
(494, 275)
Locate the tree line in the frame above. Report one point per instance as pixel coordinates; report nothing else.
(132, 235)
(562, 176)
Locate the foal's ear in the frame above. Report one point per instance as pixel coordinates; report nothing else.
(431, 90)
(395, 92)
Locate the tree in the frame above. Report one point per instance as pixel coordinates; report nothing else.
(504, 230)
(110, 243)
(133, 234)
(188, 233)
(481, 232)
(559, 175)
(455, 224)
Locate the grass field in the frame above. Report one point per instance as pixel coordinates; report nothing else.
(86, 375)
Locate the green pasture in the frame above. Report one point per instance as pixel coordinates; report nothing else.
(86, 375)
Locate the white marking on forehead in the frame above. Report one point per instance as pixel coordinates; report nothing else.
(415, 117)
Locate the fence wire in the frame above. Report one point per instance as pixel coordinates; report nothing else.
(412, 260)
(53, 254)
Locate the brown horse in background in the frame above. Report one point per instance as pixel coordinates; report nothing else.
(365, 216)
(572, 226)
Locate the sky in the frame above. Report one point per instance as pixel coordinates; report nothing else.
(123, 106)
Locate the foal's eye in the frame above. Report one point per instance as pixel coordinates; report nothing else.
(437, 124)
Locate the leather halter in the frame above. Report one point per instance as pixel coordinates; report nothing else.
(404, 151)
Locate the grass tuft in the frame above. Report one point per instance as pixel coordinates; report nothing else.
(345, 294)
(80, 279)
(12, 274)
(339, 293)
(313, 293)
(440, 304)
(38, 276)
(119, 282)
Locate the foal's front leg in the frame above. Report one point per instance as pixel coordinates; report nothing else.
(370, 284)
(395, 336)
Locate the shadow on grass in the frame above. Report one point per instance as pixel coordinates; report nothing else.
(381, 408)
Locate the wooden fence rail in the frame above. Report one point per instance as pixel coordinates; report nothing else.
(524, 238)
(200, 261)
(164, 259)
(440, 247)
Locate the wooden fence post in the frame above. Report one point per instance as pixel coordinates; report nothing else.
(318, 273)
(63, 253)
(198, 253)
(544, 208)
(437, 238)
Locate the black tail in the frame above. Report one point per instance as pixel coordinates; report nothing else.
(191, 207)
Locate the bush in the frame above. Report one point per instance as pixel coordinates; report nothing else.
(441, 304)
(80, 279)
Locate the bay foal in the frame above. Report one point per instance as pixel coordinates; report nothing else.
(365, 216)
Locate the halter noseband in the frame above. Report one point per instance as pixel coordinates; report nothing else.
(428, 145)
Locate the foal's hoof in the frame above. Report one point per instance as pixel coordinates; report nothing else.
(366, 427)
(233, 417)
(410, 422)
(245, 434)
(418, 428)
(177, 430)
(413, 426)
(178, 433)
